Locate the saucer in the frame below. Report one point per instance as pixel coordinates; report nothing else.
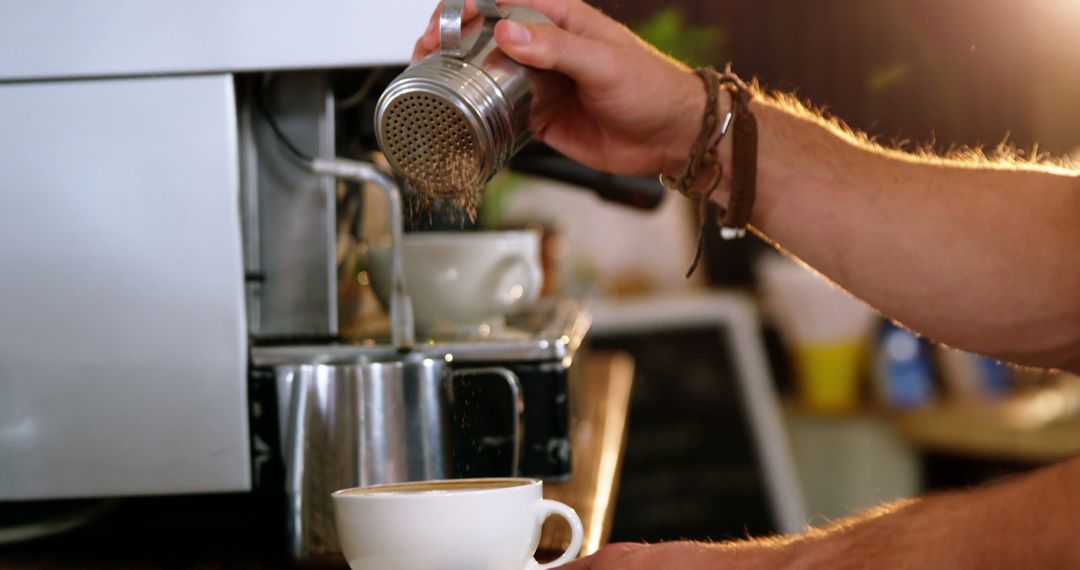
(491, 329)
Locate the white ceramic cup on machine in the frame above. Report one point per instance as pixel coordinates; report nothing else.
(479, 524)
(464, 283)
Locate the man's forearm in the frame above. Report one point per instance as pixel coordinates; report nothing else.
(1030, 522)
(971, 253)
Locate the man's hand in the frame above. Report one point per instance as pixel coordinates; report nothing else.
(683, 556)
(632, 109)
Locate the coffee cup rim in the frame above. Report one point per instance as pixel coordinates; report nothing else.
(381, 490)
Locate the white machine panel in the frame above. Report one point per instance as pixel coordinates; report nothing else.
(64, 38)
(122, 339)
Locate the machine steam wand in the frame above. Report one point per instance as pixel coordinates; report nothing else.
(403, 330)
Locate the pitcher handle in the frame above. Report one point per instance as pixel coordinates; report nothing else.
(450, 22)
(517, 401)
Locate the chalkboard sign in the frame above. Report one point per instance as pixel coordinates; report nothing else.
(690, 470)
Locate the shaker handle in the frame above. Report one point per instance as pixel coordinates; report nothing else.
(517, 400)
(450, 23)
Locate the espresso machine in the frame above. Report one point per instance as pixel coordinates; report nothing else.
(169, 303)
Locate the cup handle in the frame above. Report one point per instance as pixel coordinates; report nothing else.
(545, 509)
(534, 281)
(516, 400)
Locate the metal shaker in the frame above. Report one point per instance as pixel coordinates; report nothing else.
(448, 123)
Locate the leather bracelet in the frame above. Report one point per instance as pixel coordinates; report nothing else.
(736, 216)
(704, 155)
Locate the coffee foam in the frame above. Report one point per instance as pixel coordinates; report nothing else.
(437, 487)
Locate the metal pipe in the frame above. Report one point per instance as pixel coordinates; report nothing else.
(403, 330)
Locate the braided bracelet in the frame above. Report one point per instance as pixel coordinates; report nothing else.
(704, 155)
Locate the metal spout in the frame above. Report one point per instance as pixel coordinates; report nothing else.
(403, 330)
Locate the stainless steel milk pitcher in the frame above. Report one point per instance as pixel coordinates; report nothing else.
(364, 423)
(454, 119)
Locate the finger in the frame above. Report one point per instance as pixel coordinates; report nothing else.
(605, 559)
(574, 16)
(544, 46)
(580, 564)
(419, 51)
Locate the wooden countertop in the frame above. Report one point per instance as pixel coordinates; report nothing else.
(1037, 425)
(983, 433)
(600, 400)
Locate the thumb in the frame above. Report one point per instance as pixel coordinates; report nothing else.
(545, 46)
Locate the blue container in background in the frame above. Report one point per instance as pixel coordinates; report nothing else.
(905, 372)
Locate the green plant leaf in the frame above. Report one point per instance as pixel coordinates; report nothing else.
(695, 46)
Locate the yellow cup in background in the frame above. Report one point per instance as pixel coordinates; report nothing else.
(828, 375)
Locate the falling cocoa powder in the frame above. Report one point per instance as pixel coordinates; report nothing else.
(453, 182)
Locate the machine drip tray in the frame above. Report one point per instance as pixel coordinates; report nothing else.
(551, 331)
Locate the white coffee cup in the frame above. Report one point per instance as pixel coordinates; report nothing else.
(464, 282)
(480, 524)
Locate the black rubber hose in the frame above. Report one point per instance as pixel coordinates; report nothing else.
(640, 192)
